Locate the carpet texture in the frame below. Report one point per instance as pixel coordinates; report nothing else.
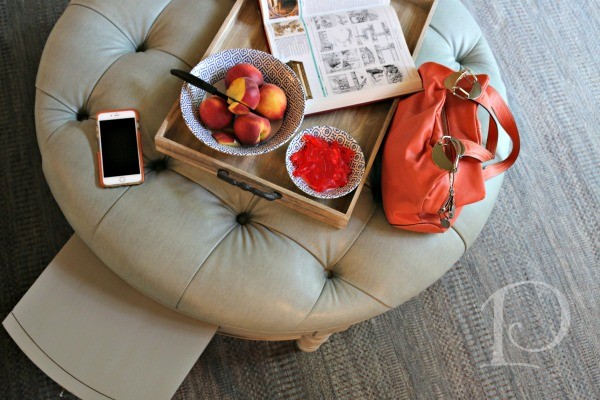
(439, 345)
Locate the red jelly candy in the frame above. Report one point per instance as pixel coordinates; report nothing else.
(321, 164)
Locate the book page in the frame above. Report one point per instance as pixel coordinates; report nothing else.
(344, 58)
(313, 7)
(288, 40)
(361, 55)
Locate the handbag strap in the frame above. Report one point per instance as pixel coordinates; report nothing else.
(476, 151)
(495, 105)
(465, 85)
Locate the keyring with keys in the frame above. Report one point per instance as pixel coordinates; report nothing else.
(446, 154)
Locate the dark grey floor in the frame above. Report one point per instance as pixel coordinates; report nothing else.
(32, 228)
(544, 228)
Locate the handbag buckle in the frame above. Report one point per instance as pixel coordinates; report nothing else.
(447, 152)
(455, 83)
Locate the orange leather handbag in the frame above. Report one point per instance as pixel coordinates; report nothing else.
(433, 156)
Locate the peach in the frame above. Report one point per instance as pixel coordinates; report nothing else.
(214, 113)
(225, 139)
(243, 70)
(250, 129)
(273, 102)
(246, 92)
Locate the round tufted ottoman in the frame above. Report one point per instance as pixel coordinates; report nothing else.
(211, 251)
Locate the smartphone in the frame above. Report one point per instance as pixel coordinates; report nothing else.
(120, 160)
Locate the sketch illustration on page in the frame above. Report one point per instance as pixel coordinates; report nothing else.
(336, 39)
(360, 16)
(376, 76)
(330, 20)
(342, 36)
(375, 32)
(386, 53)
(342, 19)
(344, 60)
(393, 74)
(367, 56)
(342, 84)
(384, 75)
(326, 44)
(324, 21)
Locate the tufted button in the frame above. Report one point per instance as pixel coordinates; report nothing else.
(243, 218)
(82, 115)
(141, 48)
(328, 274)
(158, 165)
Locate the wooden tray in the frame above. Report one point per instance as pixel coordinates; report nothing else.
(368, 124)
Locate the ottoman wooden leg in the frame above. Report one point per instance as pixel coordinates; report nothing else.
(310, 343)
(99, 338)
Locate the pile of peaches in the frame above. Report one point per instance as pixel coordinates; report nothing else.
(247, 90)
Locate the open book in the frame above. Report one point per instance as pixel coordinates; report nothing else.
(345, 52)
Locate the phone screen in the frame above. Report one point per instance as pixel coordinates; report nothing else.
(118, 138)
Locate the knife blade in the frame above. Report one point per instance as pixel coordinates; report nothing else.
(207, 87)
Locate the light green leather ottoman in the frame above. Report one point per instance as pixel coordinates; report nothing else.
(178, 238)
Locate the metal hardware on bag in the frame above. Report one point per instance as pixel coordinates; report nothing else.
(452, 84)
(224, 175)
(440, 158)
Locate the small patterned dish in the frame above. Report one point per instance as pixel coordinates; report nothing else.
(329, 133)
(213, 69)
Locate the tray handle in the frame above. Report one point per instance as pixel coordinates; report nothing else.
(224, 175)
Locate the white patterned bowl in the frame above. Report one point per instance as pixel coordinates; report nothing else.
(329, 133)
(213, 68)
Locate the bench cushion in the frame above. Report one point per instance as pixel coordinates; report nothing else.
(176, 238)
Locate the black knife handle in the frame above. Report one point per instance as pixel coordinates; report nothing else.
(224, 175)
(194, 80)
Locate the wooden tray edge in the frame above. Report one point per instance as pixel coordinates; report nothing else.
(424, 30)
(335, 218)
(178, 151)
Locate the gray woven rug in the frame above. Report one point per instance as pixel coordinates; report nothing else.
(442, 344)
